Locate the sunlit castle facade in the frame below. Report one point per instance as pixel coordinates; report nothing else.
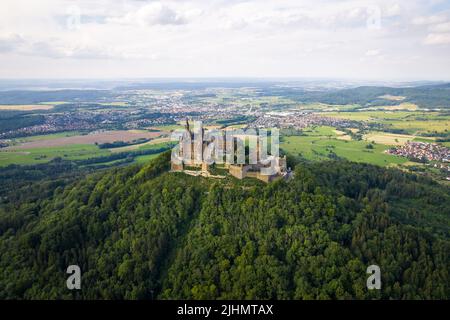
(242, 154)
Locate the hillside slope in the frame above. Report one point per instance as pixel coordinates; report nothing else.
(142, 233)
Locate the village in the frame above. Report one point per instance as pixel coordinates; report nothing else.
(422, 151)
(298, 120)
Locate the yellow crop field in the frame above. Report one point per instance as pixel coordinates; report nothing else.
(25, 107)
(388, 138)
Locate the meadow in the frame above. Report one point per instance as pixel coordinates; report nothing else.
(320, 143)
(44, 148)
(393, 139)
(409, 121)
(167, 127)
(45, 154)
(57, 135)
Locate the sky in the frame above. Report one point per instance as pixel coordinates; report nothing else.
(403, 40)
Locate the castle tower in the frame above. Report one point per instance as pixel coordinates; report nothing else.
(186, 126)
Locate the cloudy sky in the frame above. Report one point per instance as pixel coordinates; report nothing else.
(383, 40)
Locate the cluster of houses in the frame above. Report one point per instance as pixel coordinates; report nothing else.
(298, 120)
(422, 151)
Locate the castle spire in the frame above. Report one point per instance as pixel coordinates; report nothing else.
(187, 124)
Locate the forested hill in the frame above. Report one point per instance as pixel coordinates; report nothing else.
(142, 233)
(426, 96)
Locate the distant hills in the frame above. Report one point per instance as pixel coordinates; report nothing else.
(425, 96)
(32, 96)
(428, 96)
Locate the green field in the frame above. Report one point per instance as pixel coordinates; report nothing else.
(168, 127)
(323, 107)
(41, 155)
(70, 152)
(410, 121)
(47, 136)
(146, 158)
(320, 142)
(154, 146)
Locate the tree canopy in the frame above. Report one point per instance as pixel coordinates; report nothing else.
(140, 232)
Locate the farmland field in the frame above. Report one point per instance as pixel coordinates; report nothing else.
(26, 107)
(418, 127)
(74, 146)
(401, 106)
(321, 142)
(92, 138)
(45, 154)
(410, 122)
(46, 137)
(69, 152)
(393, 139)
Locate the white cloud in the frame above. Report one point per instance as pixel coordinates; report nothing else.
(438, 39)
(429, 20)
(10, 42)
(155, 13)
(54, 48)
(224, 38)
(393, 10)
(372, 53)
(441, 27)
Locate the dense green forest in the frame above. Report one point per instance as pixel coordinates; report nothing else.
(140, 232)
(12, 120)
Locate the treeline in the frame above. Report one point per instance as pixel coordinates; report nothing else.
(19, 183)
(236, 120)
(123, 155)
(118, 144)
(27, 183)
(13, 120)
(142, 233)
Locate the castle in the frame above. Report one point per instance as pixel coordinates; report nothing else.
(192, 147)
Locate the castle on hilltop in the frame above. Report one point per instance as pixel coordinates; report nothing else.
(189, 156)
